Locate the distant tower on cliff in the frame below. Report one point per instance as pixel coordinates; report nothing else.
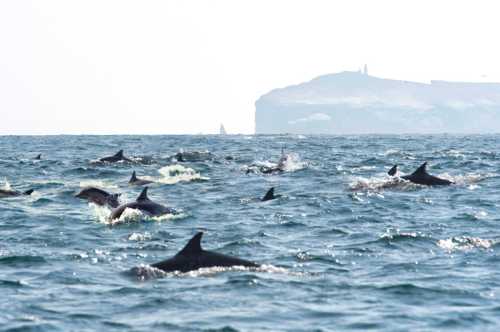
(365, 69)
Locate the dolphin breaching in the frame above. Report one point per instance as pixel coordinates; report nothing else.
(99, 197)
(143, 204)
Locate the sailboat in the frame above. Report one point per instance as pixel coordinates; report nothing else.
(222, 130)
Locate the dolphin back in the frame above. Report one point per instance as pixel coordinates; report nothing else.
(269, 195)
(193, 257)
(421, 176)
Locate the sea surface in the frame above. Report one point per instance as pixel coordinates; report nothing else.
(346, 248)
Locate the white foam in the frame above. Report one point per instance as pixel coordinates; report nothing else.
(465, 179)
(6, 185)
(379, 183)
(139, 236)
(291, 162)
(101, 212)
(134, 215)
(288, 163)
(98, 184)
(463, 243)
(145, 272)
(176, 173)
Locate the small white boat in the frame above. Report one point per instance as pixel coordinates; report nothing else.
(222, 130)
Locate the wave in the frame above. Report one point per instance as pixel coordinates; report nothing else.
(396, 153)
(98, 183)
(22, 260)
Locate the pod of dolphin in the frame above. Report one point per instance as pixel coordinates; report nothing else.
(193, 256)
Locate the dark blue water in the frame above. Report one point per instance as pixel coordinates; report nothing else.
(345, 248)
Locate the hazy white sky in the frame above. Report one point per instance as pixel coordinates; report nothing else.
(172, 67)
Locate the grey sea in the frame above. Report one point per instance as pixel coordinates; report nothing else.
(345, 248)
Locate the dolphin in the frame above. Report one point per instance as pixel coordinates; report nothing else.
(117, 157)
(14, 193)
(144, 204)
(136, 181)
(271, 170)
(99, 197)
(269, 195)
(280, 166)
(393, 170)
(193, 257)
(38, 157)
(193, 156)
(420, 176)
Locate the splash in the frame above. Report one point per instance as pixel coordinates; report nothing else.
(139, 236)
(100, 212)
(287, 163)
(177, 173)
(6, 185)
(380, 183)
(135, 215)
(464, 243)
(466, 179)
(146, 272)
(291, 162)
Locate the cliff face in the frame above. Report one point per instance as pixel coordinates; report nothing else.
(352, 102)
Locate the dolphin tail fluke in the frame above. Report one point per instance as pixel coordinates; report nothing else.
(144, 195)
(269, 195)
(393, 170)
(28, 192)
(193, 246)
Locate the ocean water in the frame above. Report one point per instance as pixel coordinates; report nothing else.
(346, 248)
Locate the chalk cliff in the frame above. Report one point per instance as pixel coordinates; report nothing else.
(356, 103)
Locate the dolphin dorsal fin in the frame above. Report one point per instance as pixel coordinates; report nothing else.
(119, 154)
(422, 169)
(393, 170)
(144, 195)
(193, 246)
(269, 195)
(133, 177)
(38, 157)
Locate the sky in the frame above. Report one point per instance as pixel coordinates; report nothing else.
(185, 67)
